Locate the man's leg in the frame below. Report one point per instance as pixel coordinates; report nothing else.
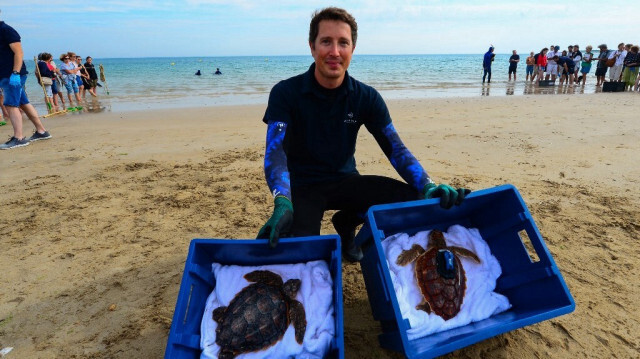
(32, 113)
(309, 205)
(353, 197)
(16, 121)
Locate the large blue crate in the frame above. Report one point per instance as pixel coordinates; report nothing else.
(198, 282)
(535, 289)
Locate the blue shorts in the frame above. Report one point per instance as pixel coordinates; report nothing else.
(54, 87)
(78, 80)
(71, 86)
(14, 96)
(529, 69)
(585, 69)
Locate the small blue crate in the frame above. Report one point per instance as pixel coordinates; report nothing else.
(534, 286)
(198, 282)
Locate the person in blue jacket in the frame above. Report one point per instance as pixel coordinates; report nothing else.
(486, 64)
(312, 126)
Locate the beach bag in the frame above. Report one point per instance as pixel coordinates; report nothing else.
(611, 62)
(47, 81)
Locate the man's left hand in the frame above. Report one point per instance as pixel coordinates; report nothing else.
(14, 80)
(447, 194)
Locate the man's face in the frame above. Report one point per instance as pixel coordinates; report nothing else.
(332, 52)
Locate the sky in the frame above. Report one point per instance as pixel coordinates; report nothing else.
(143, 28)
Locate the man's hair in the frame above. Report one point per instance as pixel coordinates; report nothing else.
(635, 48)
(336, 14)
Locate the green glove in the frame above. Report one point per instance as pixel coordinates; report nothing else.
(447, 194)
(280, 221)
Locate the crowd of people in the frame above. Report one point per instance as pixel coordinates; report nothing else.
(571, 66)
(76, 77)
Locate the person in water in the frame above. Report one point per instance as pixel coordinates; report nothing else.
(198, 73)
(313, 121)
(218, 72)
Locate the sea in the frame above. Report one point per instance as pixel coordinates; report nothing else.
(162, 83)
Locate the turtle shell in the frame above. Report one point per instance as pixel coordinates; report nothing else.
(444, 292)
(256, 318)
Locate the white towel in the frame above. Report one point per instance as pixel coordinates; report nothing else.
(315, 294)
(480, 301)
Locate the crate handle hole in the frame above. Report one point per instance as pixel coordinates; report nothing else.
(186, 311)
(526, 241)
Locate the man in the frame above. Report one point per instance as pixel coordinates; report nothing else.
(513, 64)
(486, 64)
(93, 75)
(615, 72)
(312, 125)
(531, 63)
(13, 75)
(568, 67)
(601, 67)
(577, 58)
(552, 67)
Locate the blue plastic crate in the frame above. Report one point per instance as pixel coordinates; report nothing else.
(536, 289)
(198, 282)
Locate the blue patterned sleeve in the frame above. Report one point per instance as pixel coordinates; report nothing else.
(275, 160)
(401, 158)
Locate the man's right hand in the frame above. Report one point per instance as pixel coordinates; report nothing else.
(14, 80)
(279, 223)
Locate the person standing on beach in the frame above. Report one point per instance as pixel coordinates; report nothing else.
(551, 66)
(93, 75)
(513, 64)
(13, 75)
(541, 62)
(577, 58)
(531, 63)
(45, 72)
(313, 121)
(631, 64)
(615, 72)
(68, 71)
(601, 66)
(585, 66)
(486, 64)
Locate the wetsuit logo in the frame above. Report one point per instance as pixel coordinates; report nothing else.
(350, 118)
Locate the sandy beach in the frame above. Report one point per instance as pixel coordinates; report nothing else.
(97, 221)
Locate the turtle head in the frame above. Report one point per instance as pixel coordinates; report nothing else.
(291, 288)
(436, 239)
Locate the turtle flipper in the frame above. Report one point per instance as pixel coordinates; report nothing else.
(264, 276)
(409, 255)
(226, 354)
(298, 319)
(424, 306)
(218, 314)
(465, 253)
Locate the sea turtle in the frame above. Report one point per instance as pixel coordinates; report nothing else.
(259, 315)
(439, 274)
